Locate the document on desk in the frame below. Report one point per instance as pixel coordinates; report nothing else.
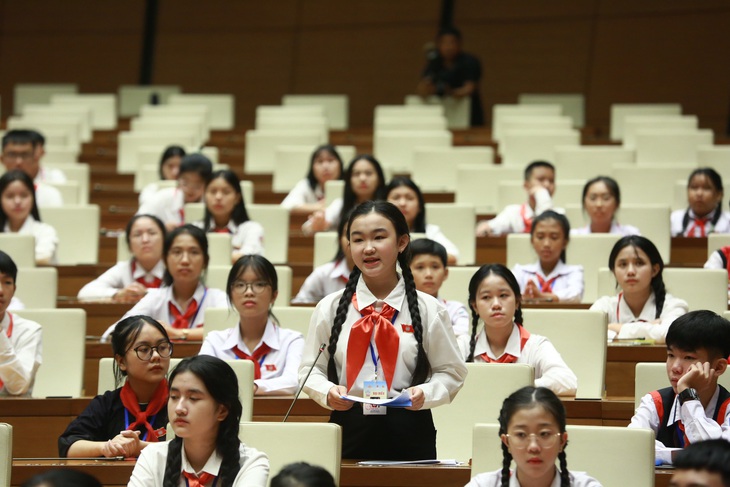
(403, 400)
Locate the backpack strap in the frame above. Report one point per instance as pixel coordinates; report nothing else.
(723, 402)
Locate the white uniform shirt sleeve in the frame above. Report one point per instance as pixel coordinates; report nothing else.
(46, 241)
(646, 417)
(715, 261)
(107, 284)
(300, 194)
(312, 289)
(675, 220)
(20, 356)
(543, 201)
(147, 193)
(508, 220)
(569, 287)
(698, 426)
(248, 239)
(46, 196)
(166, 204)
(551, 371)
(286, 381)
(673, 308)
(460, 318)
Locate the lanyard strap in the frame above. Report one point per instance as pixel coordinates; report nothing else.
(127, 423)
(375, 358)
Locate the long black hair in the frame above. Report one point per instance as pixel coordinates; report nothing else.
(170, 152)
(239, 214)
(527, 398)
(319, 150)
(133, 220)
(389, 211)
(349, 199)
(482, 273)
(419, 223)
(222, 384)
(716, 181)
(261, 266)
(5, 181)
(655, 258)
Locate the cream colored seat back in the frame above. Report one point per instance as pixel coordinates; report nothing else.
(295, 318)
(78, 233)
(634, 188)
(456, 221)
(671, 146)
(20, 248)
(580, 338)
(572, 104)
(478, 184)
(480, 399)
(456, 110)
(336, 107)
(38, 93)
(610, 454)
(133, 97)
(314, 443)
(103, 107)
(521, 147)
(275, 221)
(261, 146)
(129, 144)
(394, 148)
(436, 168)
(6, 453)
(325, 247)
(715, 241)
(37, 287)
(78, 173)
(221, 107)
(592, 252)
(64, 342)
(502, 111)
(619, 112)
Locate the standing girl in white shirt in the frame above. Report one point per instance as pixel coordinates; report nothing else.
(532, 431)
(129, 280)
(225, 212)
(407, 196)
(19, 214)
(364, 181)
(181, 302)
(330, 277)
(550, 279)
(204, 411)
(495, 300)
(276, 352)
(381, 338)
(643, 308)
(308, 194)
(704, 214)
(601, 201)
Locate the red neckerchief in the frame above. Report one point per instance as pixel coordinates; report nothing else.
(183, 320)
(386, 339)
(193, 480)
(526, 221)
(130, 402)
(698, 223)
(9, 333)
(546, 286)
(154, 284)
(508, 358)
(257, 357)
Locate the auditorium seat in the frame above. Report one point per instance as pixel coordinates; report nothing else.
(37, 287)
(6, 453)
(336, 107)
(221, 106)
(572, 104)
(77, 227)
(637, 123)
(39, 93)
(456, 110)
(133, 97)
(456, 221)
(103, 107)
(677, 147)
(501, 111)
(21, 248)
(478, 184)
(619, 112)
(435, 169)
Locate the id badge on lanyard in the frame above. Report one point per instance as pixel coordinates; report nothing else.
(374, 389)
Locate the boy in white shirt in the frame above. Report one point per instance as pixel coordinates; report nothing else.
(428, 265)
(23, 149)
(540, 186)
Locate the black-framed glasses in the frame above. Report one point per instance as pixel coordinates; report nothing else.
(144, 352)
(239, 287)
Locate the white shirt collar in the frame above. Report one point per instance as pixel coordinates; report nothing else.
(512, 348)
(271, 338)
(200, 291)
(5, 322)
(366, 298)
(27, 224)
(157, 271)
(212, 466)
(559, 269)
(340, 270)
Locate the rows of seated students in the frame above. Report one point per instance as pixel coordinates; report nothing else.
(643, 308)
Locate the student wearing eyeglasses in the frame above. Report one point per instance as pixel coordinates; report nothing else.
(124, 421)
(275, 351)
(180, 304)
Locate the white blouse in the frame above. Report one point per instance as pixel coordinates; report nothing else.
(692, 230)
(568, 284)
(324, 279)
(21, 354)
(616, 228)
(117, 278)
(246, 238)
(149, 471)
(279, 367)
(494, 479)
(302, 194)
(167, 204)
(433, 232)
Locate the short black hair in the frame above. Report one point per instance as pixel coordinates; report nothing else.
(710, 455)
(449, 30)
(23, 136)
(427, 246)
(63, 477)
(534, 165)
(198, 164)
(701, 329)
(302, 474)
(7, 266)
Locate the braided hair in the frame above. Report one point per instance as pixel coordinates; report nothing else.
(715, 181)
(482, 273)
(392, 213)
(527, 398)
(222, 384)
(655, 258)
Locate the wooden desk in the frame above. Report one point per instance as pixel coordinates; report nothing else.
(99, 315)
(112, 474)
(621, 365)
(37, 423)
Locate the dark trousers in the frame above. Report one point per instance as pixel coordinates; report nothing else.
(399, 435)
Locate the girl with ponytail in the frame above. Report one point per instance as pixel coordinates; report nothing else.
(380, 329)
(532, 430)
(642, 308)
(204, 410)
(495, 301)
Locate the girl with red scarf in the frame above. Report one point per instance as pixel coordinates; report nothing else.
(124, 421)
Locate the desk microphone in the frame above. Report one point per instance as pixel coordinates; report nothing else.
(321, 349)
